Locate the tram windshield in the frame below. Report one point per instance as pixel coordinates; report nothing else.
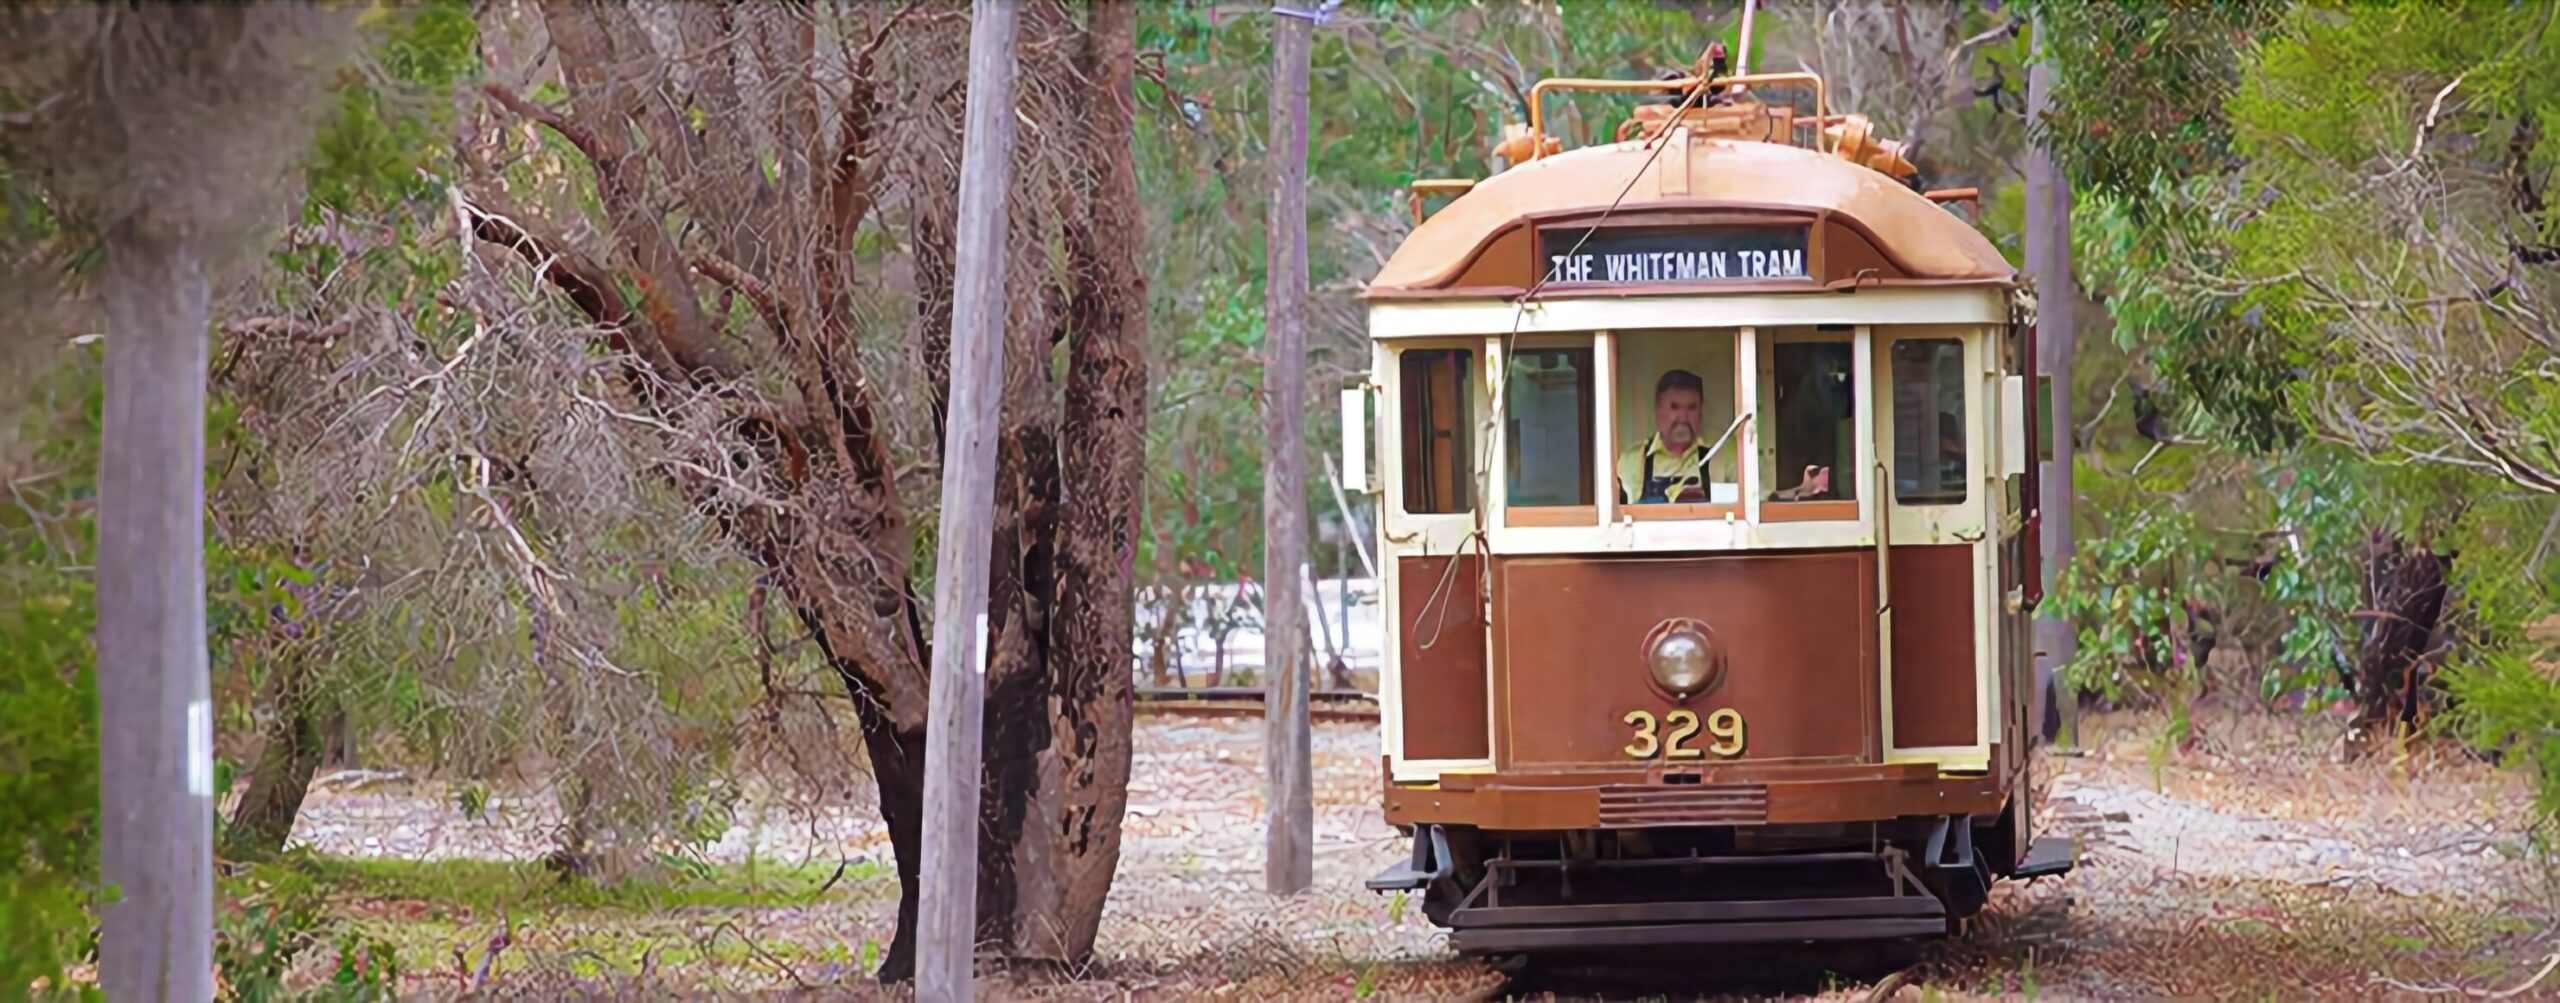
(1674, 432)
(1808, 416)
(1675, 439)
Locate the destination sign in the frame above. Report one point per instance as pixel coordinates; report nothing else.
(1654, 256)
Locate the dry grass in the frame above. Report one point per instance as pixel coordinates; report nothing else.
(1188, 918)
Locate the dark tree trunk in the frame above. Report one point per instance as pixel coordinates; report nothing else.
(897, 768)
(2405, 603)
(1103, 451)
(1058, 708)
(290, 755)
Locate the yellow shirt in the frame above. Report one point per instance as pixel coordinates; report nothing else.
(1676, 477)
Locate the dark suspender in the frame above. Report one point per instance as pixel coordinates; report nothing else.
(1644, 484)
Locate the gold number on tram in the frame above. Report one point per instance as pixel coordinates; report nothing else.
(1668, 736)
(1726, 725)
(1684, 723)
(1647, 744)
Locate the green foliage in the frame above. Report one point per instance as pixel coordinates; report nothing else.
(2139, 87)
(48, 782)
(2122, 586)
(2225, 372)
(271, 918)
(388, 116)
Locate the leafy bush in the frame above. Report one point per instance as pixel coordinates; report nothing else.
(48, 783)
(274, 915)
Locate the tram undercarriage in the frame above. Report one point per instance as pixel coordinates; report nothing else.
(1905, 879)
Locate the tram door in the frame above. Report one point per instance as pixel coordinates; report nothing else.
(1932, 396)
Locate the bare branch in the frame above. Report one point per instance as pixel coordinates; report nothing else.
(585, 141)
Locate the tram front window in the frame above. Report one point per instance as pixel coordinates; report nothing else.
(1808, 419)
(1437, 420)
(1547, 427)
(1675, 395)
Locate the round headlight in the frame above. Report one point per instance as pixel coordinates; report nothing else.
(1682, 660)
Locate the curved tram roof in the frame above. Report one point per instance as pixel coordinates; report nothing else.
(1481, 244)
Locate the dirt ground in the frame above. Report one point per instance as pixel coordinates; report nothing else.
(2251, 866)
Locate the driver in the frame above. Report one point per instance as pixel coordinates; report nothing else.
(1669, 466)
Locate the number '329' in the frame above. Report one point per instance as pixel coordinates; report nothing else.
(1669, 736)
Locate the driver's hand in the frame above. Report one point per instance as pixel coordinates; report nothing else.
(1817, 479)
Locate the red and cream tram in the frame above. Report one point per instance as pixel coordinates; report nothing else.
(1707, 508)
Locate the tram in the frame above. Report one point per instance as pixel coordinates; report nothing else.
(1707, 521)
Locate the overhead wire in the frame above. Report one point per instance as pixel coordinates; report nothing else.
(1482, 473)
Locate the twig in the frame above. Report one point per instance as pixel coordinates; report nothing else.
(357, 778)
(585, 141)
(2145, 461)
(2428, 127)
(1891, 984)
(2548, 965)
(713, 940)
(498, 943)
(2088, 432)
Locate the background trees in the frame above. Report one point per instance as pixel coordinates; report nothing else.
(579, 432)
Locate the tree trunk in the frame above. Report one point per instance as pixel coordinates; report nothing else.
(291, 753)
(2405, 593)
(2048, 232)
(1084, 778)
(156, 758)
(1289, 866)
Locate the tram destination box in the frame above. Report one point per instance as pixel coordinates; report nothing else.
(1660, 255)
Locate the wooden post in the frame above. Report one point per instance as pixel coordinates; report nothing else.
(155, 753)
(946, 920)
(1289, 867)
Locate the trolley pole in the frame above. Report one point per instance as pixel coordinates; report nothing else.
(946, 944)
(1289, 861)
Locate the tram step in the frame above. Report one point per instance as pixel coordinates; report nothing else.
(2049, 856)
(1430, 862)
(1399, 878)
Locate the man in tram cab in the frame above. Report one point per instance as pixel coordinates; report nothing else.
(1669, 466)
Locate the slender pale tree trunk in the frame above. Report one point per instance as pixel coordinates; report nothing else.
(1289, 867)
(2048, 255)
(156, 755)
(947, 943)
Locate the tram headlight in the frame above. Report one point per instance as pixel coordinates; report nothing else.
(1683, 660)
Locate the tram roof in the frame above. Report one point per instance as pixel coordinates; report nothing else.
(1927, 243)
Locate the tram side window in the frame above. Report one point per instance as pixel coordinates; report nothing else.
(1547, 427)
(1811, 418)
(1437, 421)
(1929, 421)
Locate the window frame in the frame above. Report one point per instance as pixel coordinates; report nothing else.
(1546, 515)
(1966, 343)
(1745, 461)
(1469, 426)
(1854, 471)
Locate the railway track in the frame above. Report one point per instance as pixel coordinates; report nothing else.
(1242, 701)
